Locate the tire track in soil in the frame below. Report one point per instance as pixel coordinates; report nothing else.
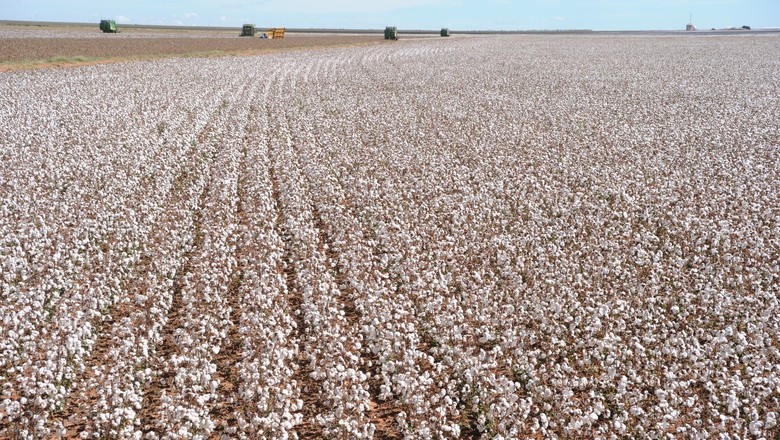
(387, 410)
(75, 416)
(116, 312)
(229, 404)
(77, 401)
(166, 348)
(72, 416)
(381, 413)
(308, 386)
(467, 420)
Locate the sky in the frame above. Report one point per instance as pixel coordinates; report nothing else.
(409, 14)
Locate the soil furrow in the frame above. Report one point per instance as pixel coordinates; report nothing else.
(229, 406)
(381, 413)
(308, 386)
(92, 50)
(163, 381)
(77, 414)
(74, 416)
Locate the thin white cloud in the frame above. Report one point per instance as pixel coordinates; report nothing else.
(230, 21)
(187, 18)
(122, 18)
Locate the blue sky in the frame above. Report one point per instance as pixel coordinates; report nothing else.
(409, 14)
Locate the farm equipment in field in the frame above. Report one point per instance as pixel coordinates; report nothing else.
(445, 32)
(108, 26)
(391, 33)
(248, 30)
(273, 33)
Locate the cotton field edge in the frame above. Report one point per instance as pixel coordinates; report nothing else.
(475, 237)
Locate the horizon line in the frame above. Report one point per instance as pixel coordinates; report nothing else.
(379, 30)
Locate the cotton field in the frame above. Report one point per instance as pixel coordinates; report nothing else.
(498, 237)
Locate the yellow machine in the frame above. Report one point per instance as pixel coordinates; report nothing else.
(273, 33)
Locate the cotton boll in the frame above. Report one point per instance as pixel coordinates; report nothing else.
(771, 420)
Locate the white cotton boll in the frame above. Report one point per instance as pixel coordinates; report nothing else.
(755, 427)
(732, 402)
(771, 420)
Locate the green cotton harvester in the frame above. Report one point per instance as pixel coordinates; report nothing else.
(248, 30)
(391, 33)
(108, 26)
(445, 32)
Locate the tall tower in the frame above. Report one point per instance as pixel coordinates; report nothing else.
(690, 26)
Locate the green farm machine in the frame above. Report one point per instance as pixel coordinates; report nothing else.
(445, 32)
(391, 33)
(108, 26)
(248, 30)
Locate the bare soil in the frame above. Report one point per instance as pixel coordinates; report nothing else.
(20, 53)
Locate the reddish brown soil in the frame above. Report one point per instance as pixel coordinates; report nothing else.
(41, 52)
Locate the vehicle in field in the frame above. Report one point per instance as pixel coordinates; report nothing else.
(108, 26)
(445, 32)
(273, 33)
(391, 33)
(248, 30)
